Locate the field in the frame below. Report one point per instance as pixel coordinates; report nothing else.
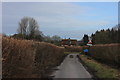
(28, 59)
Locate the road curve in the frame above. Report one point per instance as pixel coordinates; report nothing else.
(71, 68)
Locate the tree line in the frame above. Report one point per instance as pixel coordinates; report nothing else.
(103, 36)
(107, 36)
(28, 28)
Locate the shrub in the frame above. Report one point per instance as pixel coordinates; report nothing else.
(28, 59)
(107, 53)
(47, 56)
(73, 48)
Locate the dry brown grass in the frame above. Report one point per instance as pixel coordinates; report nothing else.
(28, 59)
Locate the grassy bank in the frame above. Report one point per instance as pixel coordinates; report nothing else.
(28, 59)
(100, 70)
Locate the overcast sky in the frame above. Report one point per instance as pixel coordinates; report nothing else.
(66, 19)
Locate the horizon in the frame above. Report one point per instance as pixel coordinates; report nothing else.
(65, 19)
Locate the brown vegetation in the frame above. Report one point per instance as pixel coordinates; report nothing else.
(28, 59)
(107, 53)
(73, 48)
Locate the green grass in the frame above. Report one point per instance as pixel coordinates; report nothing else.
(101, 70)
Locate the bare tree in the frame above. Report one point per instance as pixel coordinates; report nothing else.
(23, 26)
(33, 27)
(28, 27)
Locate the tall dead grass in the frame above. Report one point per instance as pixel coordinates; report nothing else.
(28, 59)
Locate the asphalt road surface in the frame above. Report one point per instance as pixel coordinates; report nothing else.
(72, 68)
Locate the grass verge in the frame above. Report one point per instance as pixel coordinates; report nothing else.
(101, 71)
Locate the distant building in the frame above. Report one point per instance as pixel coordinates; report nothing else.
(89, 43)
(69, 42)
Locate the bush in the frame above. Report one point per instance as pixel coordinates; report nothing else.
(73, 48)
(28, 59)
(47, 56)
(18, 57)
(107, 53)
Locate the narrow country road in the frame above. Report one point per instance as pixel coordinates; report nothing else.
(72, 68)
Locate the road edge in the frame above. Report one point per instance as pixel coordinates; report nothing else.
(91, 71)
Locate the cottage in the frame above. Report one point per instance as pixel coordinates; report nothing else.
(69, 42)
